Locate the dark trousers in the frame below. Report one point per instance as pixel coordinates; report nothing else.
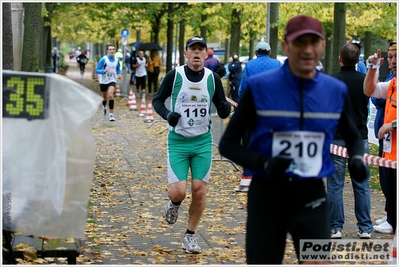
(391, 196)
(234, 86)
(152, 80)
(381, 170)
(278, 207)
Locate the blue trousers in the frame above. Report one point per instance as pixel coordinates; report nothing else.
(361, 191)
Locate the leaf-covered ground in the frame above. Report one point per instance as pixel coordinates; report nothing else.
(126, 223)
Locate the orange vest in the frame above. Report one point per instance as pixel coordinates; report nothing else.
(390, 115)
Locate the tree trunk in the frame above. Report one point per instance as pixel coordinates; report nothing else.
(33, 23)
(328, 60)
(227, 51)
(367, 45)
(235, 33)
(204, 17)
(8, 55)
(156, 28)
(169, 47)
(339, 33)
(274, 11)
(182, 42)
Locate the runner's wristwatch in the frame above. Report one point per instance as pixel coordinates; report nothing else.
(394, 124)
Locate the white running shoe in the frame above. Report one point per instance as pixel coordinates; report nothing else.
(363, 235)
(336, 234)
(190, 244)
(384, 228)
(171, 212)
(242, 188)
(111, 117)
(382, 220)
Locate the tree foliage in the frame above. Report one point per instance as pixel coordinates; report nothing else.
(235, 24)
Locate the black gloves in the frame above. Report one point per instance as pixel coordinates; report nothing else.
(275, 167)
(224, 109)
(357, 168)
(173, 118)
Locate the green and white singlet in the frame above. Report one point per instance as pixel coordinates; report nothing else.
(190, 141)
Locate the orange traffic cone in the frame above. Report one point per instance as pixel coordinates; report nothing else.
(129, 100)
(118, 91)
(142, 108)
(150, 116)
(133, 105)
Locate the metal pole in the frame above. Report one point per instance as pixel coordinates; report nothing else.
(124, 85)
(175, 61)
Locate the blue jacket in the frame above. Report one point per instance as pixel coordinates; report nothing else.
(360, 67)
(261, 63)
(312, 105)
(235, 71)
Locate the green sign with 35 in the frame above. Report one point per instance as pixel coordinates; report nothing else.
(25, 96)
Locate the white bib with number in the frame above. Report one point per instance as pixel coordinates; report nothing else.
(194, 114)
(192, 102)
(305, 148)
(387, 143)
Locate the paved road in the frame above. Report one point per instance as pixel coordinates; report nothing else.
(129, 193)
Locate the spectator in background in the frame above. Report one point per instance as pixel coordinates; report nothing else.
(127, 60)
(133, 62)
(360, 67)
(154, 68)
(387, 131)
(55, 57)
(379, 104)
(263, 62)
(141, 73)
(348, 57)
(119, 56)
(235, 70)
(210, 61)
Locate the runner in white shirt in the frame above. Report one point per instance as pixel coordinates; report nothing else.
(141, 73)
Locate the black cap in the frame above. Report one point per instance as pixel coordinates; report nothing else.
(196, 40)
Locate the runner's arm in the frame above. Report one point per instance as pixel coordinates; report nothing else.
(100, 66)
(165, 91)
(219, 98)
(230, 144)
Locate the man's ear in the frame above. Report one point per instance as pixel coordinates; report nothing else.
(284, 46)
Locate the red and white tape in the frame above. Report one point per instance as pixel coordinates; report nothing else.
(370, 159)
(342, 151)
